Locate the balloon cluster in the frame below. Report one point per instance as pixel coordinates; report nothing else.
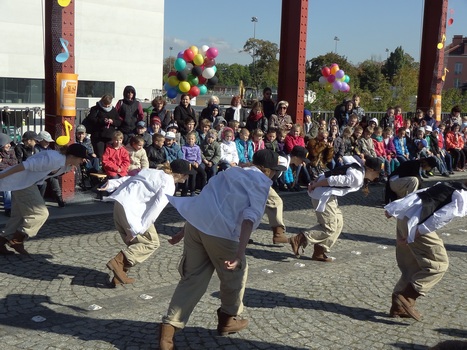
(194, 72)
(334, 79)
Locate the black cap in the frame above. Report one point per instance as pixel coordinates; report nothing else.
(300, 152)
(29, 135)
(431, 161)
(268, 159)
(77, 150)
(182, 166)
(374, 163)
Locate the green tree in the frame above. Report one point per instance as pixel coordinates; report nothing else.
(265, 67)
(452, 97)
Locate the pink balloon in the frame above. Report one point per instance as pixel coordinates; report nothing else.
(212, 53)
(325, 71)
(331, 78)
(209, 62)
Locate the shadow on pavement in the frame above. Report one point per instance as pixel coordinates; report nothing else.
(453, 332)
(257, 298)
(38, 267)
(121, 333)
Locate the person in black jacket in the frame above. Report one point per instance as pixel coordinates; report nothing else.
(184, 110)
(156, 152)
(103, 122)
(236, 112)
(159, 110)
(406, 178)
(256, 119)
(26, 147)
(130, 111)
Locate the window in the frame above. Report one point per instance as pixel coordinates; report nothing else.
(458, 68)
(457, 83)
(88, 88)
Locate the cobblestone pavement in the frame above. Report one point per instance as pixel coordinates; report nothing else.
(340, 305)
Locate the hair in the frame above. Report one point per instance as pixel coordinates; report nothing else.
(387, 129)
(256, 104)
(117, 135)
(184, 95)
(295, 127)
(369, 129)
(189, 120)
(213, 100)
(158, 99)
(235, 100)
(242, 130)
(267, 89)
(378, 129)
(225, 131)
(204, 122)
(191, 133)
(137, 139)
(281, 133)
(358, 128)
(272, 130)
(234, 124)
(212, 132)
(157, 137)
(257, 132)
(281, 103)
(165, 167)
(456, 109)
(398, 107)
(106, 99)
(353, 116)
(400, 131)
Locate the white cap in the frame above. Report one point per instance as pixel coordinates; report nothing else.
(44, 136)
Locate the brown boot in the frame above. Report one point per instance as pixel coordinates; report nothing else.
(396, 311)
(279, 235)
(296, 242)
(319, 254)
(229, 324)
(166, 336)
(406, 300)
(116, 265)
(17, 243)
(3, 250)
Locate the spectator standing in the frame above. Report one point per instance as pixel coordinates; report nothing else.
(236, 111)
(429, 118)
(159, 110)
(183, 111)
(103, 122)
(388, 119)
(453, 117)
(207, 111)
(268, 103)
(130, 111)
(398, 118)
(357, 109)
(343, 114)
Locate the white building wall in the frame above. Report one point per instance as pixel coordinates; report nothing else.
(119, 41)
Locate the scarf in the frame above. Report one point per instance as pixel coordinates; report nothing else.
(255, 117)
(106, 109)
(378, 138)
(236, 115)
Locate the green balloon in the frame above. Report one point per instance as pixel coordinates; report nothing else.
(202, 89)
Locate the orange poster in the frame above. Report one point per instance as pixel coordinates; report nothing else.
(436, 104)
(67, 87)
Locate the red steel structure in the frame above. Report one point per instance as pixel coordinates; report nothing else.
(59, 23)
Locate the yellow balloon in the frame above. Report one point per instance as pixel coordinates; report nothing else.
(173, 81)
(198, 60)
(194, 49)
(166, 78)
(334, 69)
(184, 86)
(328, 87)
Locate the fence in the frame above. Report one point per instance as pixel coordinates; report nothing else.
(16, 121)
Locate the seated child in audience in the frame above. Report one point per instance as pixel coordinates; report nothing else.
(355, 139)
(156, 152)
(380, 150)
(138, 156)
(7, 159)
(235, 126)
(115, 160)
(257, 138)
(343, 146)
(26, 147)
(192, 153)
(320, 151)
(173, 127)
(92, 161)
(155, 127)
(211, 153)
(294, 138)
(172, 149)
(281, 134)
(202, 130)
(189, 127)
(219, 124)
(229, 154)
(244, 148)
(270, 141)
(366, 143)
(142, 131)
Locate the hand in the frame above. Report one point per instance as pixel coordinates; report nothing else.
(177, 237)
(104, 187)
(387, 214)
(210, 164)
(93, 155)
(401, 241)
(119, 170)
(311, 186)
(195, 165)
(233, 264)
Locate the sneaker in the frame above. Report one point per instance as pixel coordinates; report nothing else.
(445, 174)
(430, 173)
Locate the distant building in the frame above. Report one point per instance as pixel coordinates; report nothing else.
(455, 56)
(116, 44)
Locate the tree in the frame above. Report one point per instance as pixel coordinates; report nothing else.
(265, 67)
(395, 62)
(230, 75)
(370, 76)
(452, 97)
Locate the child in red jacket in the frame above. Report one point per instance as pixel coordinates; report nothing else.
(116, 159)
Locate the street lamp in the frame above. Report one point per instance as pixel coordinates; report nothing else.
(387, 53)
(254, 20)
(170, 58)
(336, 39)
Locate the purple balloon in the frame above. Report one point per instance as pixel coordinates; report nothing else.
(180, 55)
(339, 74)
(337, 85)
(345, 87)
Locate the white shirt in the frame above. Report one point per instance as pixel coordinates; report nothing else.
(229, 152)
(37, 169)
(411, 207)
(142, 196)
(340, 185)
(230, 197)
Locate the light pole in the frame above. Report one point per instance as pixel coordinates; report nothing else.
(336, 39)
(170, 58)
(254, 20)
(387, 53)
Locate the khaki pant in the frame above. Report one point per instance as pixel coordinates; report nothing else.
(330, 225)
(422, 263)
(274, 209)
(139, 248)
(202, 254)
(28, 212)
(404, 185)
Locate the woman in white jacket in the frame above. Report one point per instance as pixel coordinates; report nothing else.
(139, 200)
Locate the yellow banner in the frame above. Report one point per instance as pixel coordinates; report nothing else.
(67, 87)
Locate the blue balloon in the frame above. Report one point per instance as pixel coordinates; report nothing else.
(179, 64)
(172, 93)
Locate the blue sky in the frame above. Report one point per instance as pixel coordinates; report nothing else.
(365, 27)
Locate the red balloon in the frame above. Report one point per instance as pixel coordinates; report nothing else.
(188, 55)
(202, 80)
(209, 62)
(325, 71)
(194, 91)
(172, 73)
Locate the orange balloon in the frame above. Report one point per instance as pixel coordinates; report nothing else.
(334, 69)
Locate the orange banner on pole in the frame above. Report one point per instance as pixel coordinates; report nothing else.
(67, 87)
(436, 104)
